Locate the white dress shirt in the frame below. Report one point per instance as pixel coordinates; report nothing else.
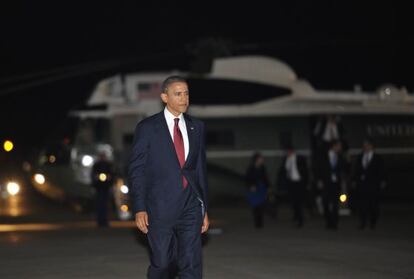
(366, 158)
(169, 117)
(333, 158)
(331, 132)
(292, 168)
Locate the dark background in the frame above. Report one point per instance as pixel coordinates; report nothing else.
(52, 53)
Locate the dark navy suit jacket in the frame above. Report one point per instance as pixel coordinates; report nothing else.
(154, 171)
(369, 179)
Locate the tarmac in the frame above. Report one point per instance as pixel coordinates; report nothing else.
(75, 248)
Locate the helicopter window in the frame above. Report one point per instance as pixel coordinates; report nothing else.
(102, 130)
(149, 90)
(91, 131)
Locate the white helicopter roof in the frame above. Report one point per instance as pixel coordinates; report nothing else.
(305, 100)
(139, 93)
(255, 69)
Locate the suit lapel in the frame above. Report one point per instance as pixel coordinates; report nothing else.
(166, 136)
(191, 138)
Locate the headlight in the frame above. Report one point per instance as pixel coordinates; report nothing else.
(13, 188)
(39, 178)
(124, 189)
(102, 177)
(87, 161)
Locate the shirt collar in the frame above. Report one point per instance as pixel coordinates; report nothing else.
(170, 117)
(292, 156)
(369, 153)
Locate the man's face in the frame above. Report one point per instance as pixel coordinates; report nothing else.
(367, 147)
(259, 161)
(176, 98)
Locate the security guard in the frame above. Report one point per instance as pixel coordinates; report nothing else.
(102, 180)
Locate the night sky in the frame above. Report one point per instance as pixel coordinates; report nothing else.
(52, 53)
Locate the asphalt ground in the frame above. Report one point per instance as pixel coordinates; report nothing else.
(73, 247)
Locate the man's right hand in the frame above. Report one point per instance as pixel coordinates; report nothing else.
(141, 220)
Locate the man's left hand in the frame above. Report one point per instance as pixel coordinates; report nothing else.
(206, 224)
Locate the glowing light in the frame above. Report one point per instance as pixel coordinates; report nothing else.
(8, 146)
(13, 188)
(102, 177)
(87, 161)
(52, 159)
(39, 178)
(124, 189)
(124, 208)
(343, 198)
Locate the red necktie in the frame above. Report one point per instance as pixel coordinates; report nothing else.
(179, 147)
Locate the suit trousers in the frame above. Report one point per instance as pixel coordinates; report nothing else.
(330, 199)
(297, 192)
(102, 197)
(176, 246)
(368, 207)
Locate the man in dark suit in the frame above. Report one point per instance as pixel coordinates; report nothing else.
(368, 178)
(330, 172)
(102, 180)
(169, 184)
(293, 175)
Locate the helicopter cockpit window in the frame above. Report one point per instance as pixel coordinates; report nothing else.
(92, 131)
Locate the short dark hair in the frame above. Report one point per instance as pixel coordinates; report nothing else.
(256, 155)
(169, 80)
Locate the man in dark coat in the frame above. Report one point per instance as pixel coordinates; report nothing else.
(257, 187)
(168, 179)
(368, 178)
(102, 180)
(330, 176)
(293, 176)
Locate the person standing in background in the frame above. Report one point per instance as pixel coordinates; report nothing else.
(368, 179)
(326, 130)
(330, 176)
(102, 180)
(257, 186)
(293, 173)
